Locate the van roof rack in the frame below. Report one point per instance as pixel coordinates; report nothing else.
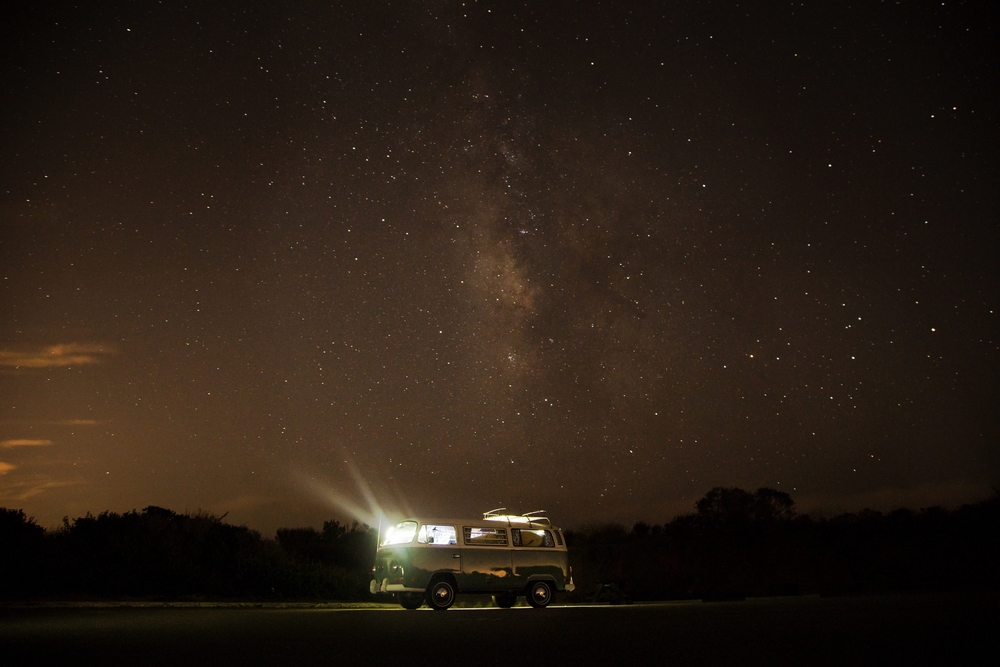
(533, 517)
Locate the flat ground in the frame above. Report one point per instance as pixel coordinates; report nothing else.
(883, 630)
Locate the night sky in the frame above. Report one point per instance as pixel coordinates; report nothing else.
(281, 260)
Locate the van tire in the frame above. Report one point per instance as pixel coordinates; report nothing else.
(505, 600)
(441, 595)
(411, 600)
(539, 594)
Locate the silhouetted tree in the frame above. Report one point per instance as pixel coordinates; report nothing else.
(304, 544)
(726, 505)
(772, 505)
(733, 505)
(350, 547)
(23, 555)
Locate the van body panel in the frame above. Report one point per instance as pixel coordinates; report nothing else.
(532, 564)
(485, 569)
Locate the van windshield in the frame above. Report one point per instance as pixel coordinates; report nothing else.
(401, 533)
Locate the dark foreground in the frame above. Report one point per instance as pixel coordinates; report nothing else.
(897, 630)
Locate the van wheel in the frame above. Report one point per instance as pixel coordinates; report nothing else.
(505, 600)
(540, 594)
(441, 595)
(411, 600)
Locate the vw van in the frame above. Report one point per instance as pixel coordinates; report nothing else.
(504, 555)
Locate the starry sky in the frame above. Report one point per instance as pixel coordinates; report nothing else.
(296, 261)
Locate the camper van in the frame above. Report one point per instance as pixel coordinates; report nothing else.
(505, 555)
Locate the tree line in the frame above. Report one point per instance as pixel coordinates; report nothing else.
(162, 555)
(740, 544)
(736, 544)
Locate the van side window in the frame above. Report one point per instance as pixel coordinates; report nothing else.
(493, 537)
(431, 534)
(531, 538)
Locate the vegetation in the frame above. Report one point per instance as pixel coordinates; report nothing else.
(159, 554)
(736, 544)
(741, 544)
